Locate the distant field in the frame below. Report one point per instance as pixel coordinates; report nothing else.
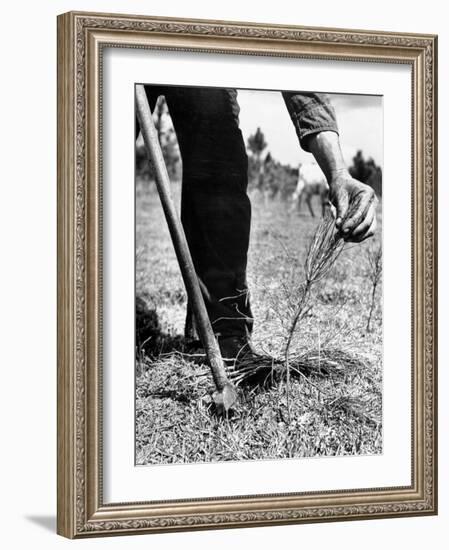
(338, 412)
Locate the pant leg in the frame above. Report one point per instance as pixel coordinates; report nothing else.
(215, 209)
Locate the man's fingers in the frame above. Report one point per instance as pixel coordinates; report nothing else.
(358, 210)
(369, 232)
(341, 202)
(365, 223)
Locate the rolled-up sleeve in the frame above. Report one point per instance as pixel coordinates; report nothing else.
(310, 113)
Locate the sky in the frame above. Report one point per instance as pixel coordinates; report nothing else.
(359, 117)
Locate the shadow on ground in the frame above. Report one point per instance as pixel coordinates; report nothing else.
(150, 338)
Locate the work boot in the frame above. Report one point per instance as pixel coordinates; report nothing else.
(236, 350)
(245, 366)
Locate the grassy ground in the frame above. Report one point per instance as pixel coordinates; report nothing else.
(334, 407)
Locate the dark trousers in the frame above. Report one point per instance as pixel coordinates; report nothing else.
(215, 209)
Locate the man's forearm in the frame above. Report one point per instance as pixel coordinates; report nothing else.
(316, 126)
(325, 147)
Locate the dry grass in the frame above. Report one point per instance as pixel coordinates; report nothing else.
(331, 403)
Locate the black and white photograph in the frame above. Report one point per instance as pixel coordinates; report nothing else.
(270, 346)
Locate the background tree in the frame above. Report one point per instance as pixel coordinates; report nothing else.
(367, 171)
(257, 143)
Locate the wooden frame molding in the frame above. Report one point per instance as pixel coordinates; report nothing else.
(81, 37)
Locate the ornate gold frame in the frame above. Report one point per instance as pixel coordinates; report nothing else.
(81, 37)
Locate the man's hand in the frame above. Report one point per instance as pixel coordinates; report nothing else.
(355, 205)
(354, 201)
